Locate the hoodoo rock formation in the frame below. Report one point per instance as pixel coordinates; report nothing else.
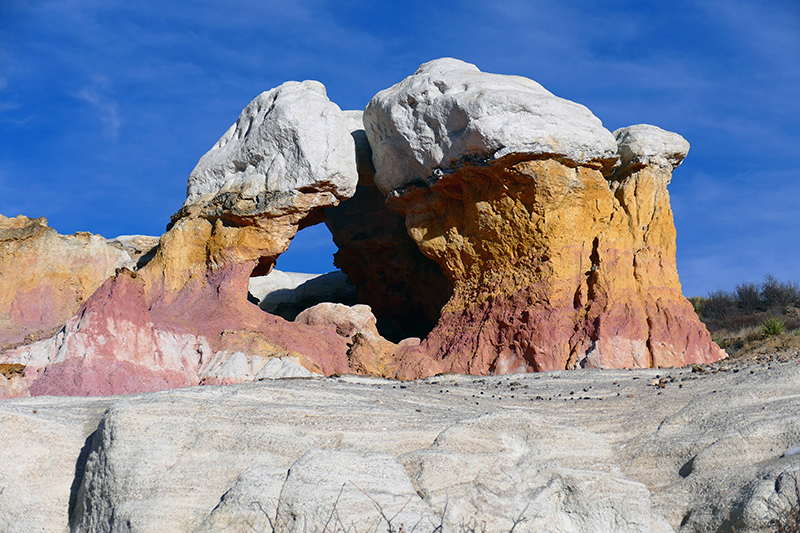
(529, 235)
(557, 235)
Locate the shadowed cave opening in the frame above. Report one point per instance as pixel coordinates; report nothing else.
(368, 267)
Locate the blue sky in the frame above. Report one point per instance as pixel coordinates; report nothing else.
(106, 106)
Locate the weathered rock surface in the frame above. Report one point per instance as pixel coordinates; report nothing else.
(44, 446)
(529, 460)
(450, 112)
(119, 344)
(530, 235)
(405, 289)
(558, 259)
(288, 139)
(288, 156)
(584, 450)
(44, 276)
(346, 321)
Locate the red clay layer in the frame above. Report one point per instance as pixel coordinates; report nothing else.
(118, 344)
(521, 332)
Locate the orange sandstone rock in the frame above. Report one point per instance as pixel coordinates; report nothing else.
(555, 267)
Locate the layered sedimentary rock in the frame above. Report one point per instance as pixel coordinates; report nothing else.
(618, 455)
(533, 237)
(44, 276)
(556, 234)
(184, 318)
(288, 156)
(405, 289)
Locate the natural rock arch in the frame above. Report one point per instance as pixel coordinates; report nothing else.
(547, 239)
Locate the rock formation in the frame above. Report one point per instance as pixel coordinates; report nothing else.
(287, 294)
(141, 248)
(184, 317)
(531, 236)
(579, 451)
(44, 276)
(534, 238)
(556, 235)
(288, 157)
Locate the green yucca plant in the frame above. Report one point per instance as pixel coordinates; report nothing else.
(773, 326)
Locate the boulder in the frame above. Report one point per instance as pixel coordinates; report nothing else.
(556, 234)
(345, 320)
(44, 276)
(368, 352)
(287, 140)
(449, 113)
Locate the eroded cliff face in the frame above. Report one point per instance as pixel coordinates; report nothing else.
(561, 252)
(184, 318)
(44, 276)
(549, 272)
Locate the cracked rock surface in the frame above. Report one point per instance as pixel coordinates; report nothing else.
(587, 450)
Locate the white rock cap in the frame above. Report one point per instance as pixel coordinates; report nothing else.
(449, 111)
(643, 144)
(289, 138)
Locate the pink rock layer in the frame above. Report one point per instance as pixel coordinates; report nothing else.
(125, 339)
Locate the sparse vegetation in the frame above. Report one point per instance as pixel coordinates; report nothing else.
(751, 313)
(782, 508)
(786, 507)
(335, 523)
(773, 326)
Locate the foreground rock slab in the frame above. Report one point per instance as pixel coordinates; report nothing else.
(585, 450)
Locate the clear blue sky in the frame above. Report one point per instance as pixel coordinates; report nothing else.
(106, 105)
